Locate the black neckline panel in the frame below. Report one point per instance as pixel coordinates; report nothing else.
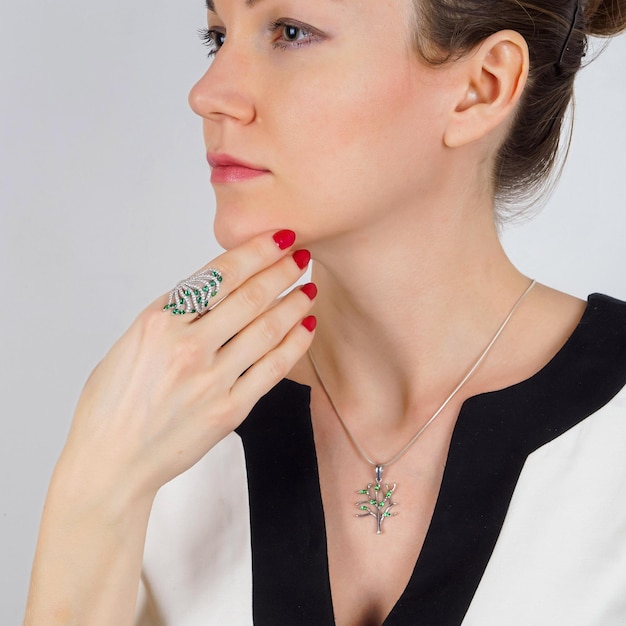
(290, 583)
(494, 435)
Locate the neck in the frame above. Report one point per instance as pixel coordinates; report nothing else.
(404, 312)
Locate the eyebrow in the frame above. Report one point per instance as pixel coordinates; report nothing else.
(210, 5)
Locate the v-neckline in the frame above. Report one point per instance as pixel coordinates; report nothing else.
(493, 435)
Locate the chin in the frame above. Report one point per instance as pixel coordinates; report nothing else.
(232, 229)
(229, 237)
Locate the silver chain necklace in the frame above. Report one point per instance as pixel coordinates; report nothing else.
(378, 496)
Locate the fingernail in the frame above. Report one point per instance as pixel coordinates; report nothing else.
(310, 323)
(285, 239)
(310, 289)
(302, 258)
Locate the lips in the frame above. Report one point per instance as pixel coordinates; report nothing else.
(227, 169)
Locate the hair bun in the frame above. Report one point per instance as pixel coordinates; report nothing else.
(605, 18)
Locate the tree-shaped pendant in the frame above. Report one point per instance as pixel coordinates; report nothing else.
(378, 503)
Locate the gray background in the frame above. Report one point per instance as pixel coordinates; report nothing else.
(105, 203)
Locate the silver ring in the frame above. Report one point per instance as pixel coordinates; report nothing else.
(194, 294)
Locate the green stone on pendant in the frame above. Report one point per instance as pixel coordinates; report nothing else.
(363, 508)
(388, 494)
(387, 514)
(363, 492)
(373, 502)
(377, 488)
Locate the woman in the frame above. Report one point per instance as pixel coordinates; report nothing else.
(442, 448)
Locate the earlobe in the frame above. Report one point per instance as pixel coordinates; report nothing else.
(494, 76)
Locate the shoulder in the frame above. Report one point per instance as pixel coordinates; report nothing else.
(564, 430)
(597, 347)
(605, 311)
(586, 342)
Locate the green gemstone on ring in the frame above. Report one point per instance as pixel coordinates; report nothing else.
(363, 508)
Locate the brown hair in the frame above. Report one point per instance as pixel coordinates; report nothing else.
(447, 29)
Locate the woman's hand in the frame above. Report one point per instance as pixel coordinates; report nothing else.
(174, 386)
(168, 391)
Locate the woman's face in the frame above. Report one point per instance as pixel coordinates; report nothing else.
(330, 101)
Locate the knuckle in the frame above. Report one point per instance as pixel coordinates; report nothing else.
(269, 330)
(253, 296)
(278, 365)
(260, 249)
(153, 321)
(185, 352)
(230, 271)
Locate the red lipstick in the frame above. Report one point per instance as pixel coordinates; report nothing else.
(227, 169)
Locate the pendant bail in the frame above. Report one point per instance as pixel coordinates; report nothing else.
(379, 473)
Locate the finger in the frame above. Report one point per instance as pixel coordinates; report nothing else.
(265, 332)
(274, 366)
(250, 300)
(233, 268)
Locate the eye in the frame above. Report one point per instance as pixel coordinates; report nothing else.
(291, 34)
(213, 39)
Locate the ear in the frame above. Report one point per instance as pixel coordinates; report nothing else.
(493, 79)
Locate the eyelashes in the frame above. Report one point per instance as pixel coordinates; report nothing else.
(211, 38)
(286, 35)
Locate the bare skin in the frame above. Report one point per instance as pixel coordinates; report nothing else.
(391, 194)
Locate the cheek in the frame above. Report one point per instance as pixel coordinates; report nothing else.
(370, 133)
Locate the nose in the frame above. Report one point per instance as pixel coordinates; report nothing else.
(225, 90)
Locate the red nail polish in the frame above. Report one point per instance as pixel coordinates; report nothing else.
(302, 258)
(285, 239)
(310, 323)
(310, 289)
